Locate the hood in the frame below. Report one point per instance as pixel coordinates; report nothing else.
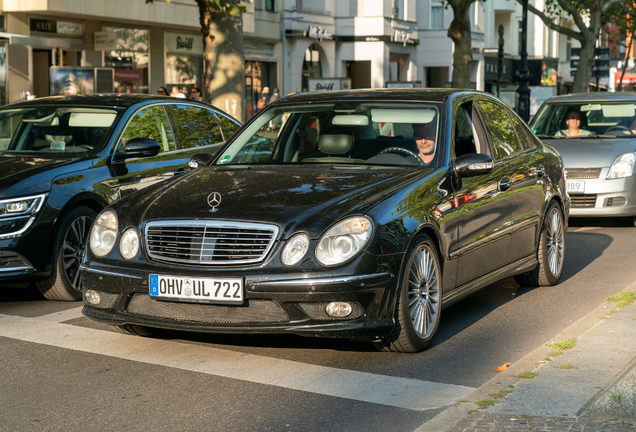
(296, 199)
(591, 152)
(20, 175)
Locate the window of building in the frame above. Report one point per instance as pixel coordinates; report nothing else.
(311, 66)
(437, 16)
(184, 60)
(353, 8)
(130, 59)
(270, 6)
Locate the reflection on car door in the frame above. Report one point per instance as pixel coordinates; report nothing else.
(483, 206)
(136, 173)
(527, 193)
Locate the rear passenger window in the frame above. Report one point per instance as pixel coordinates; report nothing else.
(196, 126)
(502, 134)
(229, 126)
(523, 132)
(152, 123)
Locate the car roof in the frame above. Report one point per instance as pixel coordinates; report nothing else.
(593, 97)
(397, 94)
(106, 99)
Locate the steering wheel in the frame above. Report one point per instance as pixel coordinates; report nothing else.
(619, 128)
(402, 150)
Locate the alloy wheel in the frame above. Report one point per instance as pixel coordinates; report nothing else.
(73, 249)
(423, 294)
(554, 242)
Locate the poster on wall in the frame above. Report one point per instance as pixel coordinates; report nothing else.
(71, 80)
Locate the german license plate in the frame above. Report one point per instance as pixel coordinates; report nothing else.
(575, 186)
(206, 290)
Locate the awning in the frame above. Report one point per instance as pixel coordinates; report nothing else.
(43, 42)
(628, 79)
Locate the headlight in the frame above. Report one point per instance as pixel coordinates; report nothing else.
(622, 167)
(21, 206)
(344, 240)
(129, 244)
(295, 249)
(104, 233)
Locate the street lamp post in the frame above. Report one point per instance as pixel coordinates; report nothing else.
(523, 104)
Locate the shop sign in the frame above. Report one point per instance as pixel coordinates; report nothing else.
(184, 43)
(402, 37)
(68, 28)
(317, 32)
(43, 25)
(328, 84)
(128, 75)
(105, 41)
(259, 51)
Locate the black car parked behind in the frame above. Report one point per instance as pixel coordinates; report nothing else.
(63, 159)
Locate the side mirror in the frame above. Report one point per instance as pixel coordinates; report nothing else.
(471, 165)
(200, 160)
(139, 147)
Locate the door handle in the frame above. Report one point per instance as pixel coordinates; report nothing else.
(505, 184)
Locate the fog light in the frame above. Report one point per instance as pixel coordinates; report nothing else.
(92, 297)
(339, 309)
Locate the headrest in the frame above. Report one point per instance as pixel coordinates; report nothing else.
(333, 144)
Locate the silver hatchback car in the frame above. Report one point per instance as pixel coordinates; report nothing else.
(596, 136)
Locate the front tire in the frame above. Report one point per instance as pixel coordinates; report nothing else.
(550, 252)
(71, 240)
(418, 303)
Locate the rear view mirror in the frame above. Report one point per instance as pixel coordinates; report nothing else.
(471, 165)
(139, 147)
(200, 160)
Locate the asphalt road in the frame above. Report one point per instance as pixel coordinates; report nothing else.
(62, 372)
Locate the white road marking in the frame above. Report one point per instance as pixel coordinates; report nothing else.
(67, 315)
(361, 386)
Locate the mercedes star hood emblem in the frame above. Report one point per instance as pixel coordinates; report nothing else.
(214, 199)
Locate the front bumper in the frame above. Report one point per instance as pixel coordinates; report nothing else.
(273, 304)
(605, 198)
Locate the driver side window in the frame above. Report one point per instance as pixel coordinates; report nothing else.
(151, 122)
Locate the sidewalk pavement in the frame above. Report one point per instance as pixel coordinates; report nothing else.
(590, 387)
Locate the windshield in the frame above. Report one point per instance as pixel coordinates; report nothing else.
(363, 134)
(55, 131)
(574, 120)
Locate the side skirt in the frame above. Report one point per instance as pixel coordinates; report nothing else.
(521, 266)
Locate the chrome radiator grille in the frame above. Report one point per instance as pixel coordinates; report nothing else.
(209, 242)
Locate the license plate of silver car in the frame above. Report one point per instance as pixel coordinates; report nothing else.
(193, 289)
(575, 186)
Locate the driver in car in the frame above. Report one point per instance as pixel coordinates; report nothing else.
(424, 135)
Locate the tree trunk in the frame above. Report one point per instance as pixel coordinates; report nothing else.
(588, 42)
(459, 32)
(223, 65)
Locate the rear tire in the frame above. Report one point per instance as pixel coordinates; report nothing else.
(550, 252)
(135, 330)
(418, 303)
(69, 246)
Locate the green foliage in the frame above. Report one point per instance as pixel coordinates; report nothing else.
(564, 346)
(527, 375)
(624, 299)
(564, 367)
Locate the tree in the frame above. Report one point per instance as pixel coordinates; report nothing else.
(460, 33)
(223, 65)
(588, 16)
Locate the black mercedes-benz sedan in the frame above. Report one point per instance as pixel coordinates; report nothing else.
(63, 159)
(357, 214)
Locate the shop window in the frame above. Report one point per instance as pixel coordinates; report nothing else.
(184, 61)
(130, 59)
(311, 66)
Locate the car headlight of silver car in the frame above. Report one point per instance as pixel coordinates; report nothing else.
(104, 233)
(344, 240)
(295, 249)
(623, 166)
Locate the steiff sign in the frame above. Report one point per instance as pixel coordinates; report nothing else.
(327, 84)
(184, 43)
(105, 41)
